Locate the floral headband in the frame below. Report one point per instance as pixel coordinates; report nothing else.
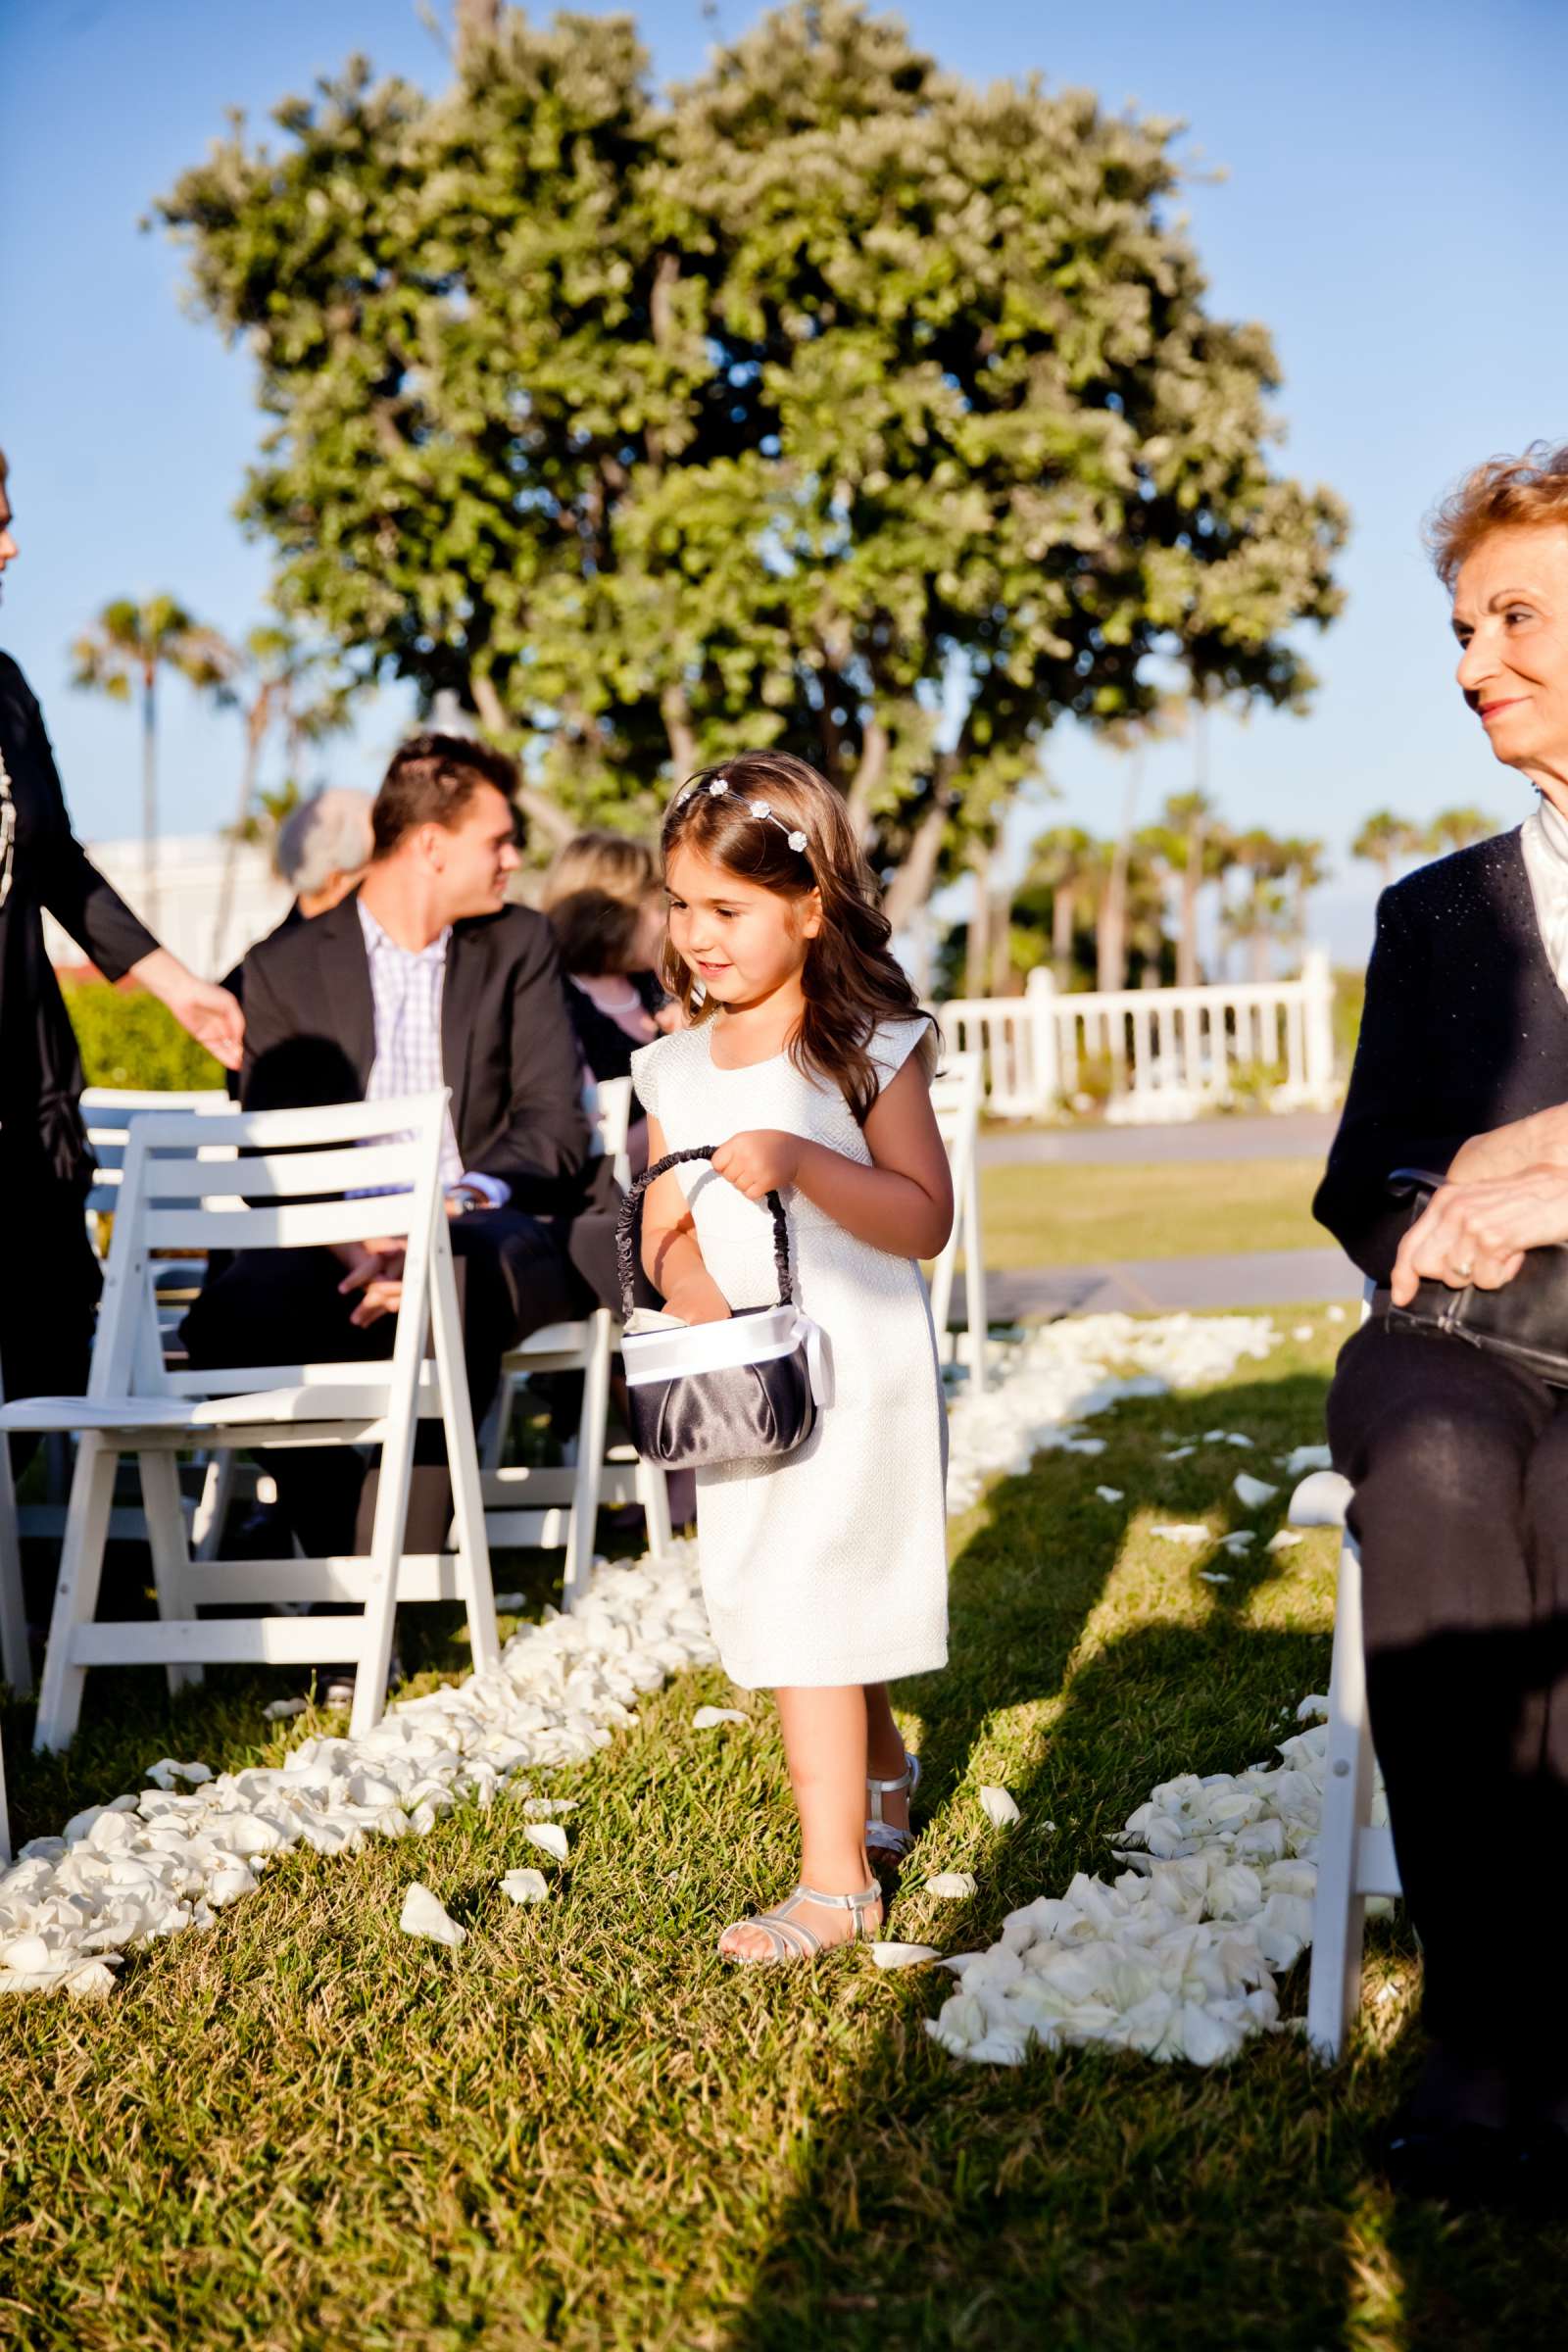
(720, 790)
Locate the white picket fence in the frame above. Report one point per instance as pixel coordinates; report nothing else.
(1166, 1053)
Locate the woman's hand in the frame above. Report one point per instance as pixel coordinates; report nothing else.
(1478, 1233)
(697, 1300)
(211, 1014)
(763, 1160)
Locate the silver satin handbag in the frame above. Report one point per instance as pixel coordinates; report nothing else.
(744, 1388)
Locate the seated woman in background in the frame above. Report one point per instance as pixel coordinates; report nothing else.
(603, 897)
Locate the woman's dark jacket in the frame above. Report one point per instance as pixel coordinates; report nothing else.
(40, 1068)
(604, 1046)
(1465, 1029)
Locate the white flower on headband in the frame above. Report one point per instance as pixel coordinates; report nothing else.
(681, 797)
(761, 808)
(797, 841)
(718, 785)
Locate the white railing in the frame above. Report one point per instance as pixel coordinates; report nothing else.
(1156, 1053)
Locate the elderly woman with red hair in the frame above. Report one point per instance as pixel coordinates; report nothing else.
(1457, 1454)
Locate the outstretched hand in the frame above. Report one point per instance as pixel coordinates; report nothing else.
(1478, 1233)
(762, 1161)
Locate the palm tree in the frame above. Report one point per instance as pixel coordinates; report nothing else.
(1065, 862)
(126, 647)
(275, 671)
(1458, 829)
(1305, 869)
(1384, 840)
(1264, 916)
(1192, 820)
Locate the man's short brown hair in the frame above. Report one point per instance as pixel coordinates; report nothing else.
(432, 780)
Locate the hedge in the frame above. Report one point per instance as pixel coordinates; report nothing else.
(129, 1039)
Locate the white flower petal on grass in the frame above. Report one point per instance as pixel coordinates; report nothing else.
(1241, 1541)
(999, 1808)
(954, 1885)
(1302, 1459)
(1109, 1494)
(1213, 1576)
(561, 1691)
(1182, 1531)
(1283, 1542)
(1313, 1708)
(1322, 1499)
(525, 1887)
(1251, 1493)
(424, 1916)
(1335, 1314)
(281, 1710)
(902, 1955)
(548, 1836)
(707, 1719)
(166, 1772)
(543, 1808)
(1179, 1454)
(1225, 1437)
(1302, 1331)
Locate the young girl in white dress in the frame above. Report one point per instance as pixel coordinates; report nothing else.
(807, 1063)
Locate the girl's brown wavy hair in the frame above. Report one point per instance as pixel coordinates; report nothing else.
(851, 980)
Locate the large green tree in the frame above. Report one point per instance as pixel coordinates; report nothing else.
(828, 401)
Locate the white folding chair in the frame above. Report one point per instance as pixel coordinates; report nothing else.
(957, 1095)
(304, 1176)
(560, 1507)
(1356, 1854)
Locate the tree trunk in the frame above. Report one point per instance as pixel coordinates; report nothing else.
(149, 795)
(1110, 927)
(977, 959)
(676, 716)
(536, 806)
(1186, 970)
(1063, 909)
(1259, 944)
(256, 719)
(867, 776)
(911, 886)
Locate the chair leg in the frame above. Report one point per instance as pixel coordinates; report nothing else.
(653, 1493)
(590, 1459)
(974, 1280)
(474, 1580)
(81, 1567)
(492, 1438)
(212, 1511)
(1339, 1911)
(5, 1815)
(14, 1660)
(166, 1540)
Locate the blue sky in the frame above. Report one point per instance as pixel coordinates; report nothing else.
(1392, 206)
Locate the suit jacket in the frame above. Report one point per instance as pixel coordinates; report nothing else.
(1465, 1029)
(40, 1068)
(507, 1051)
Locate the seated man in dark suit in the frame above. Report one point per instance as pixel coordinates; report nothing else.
(423, 977)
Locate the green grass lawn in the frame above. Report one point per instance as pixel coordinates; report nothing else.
(1086, 1216)
(304, 2129)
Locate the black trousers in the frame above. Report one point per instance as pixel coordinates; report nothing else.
(514, 1274)
(49, 1288)
(1460, 1468)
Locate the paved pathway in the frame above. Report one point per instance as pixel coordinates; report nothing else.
(1166, 1285)
(1296, 1134)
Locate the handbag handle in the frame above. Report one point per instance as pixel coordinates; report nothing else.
(1415, 1180)
(629, 1227)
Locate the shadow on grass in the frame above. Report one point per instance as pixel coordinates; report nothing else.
(1099, 2200)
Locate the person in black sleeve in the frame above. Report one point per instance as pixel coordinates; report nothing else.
(51, 1285)
(1460, 1461)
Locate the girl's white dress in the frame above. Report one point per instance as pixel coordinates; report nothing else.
(827, 1565)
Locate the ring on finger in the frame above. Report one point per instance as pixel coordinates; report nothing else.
(1465, 1267)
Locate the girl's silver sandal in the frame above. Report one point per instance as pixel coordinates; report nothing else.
(790, 1940)
(881, 1836)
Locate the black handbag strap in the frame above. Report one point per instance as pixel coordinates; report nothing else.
(1415, 1180)
(629, 1227)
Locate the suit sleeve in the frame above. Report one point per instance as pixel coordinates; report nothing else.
(1389, 1119)
(542, 1148)
(66, 881)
